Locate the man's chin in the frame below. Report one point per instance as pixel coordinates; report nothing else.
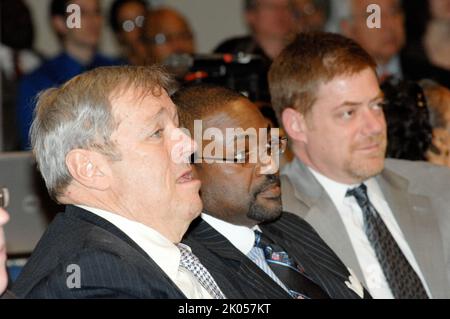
(368, 168)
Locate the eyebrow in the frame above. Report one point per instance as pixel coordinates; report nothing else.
(350, 103)
(156, 116)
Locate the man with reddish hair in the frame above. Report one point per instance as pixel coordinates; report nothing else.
(388, 220)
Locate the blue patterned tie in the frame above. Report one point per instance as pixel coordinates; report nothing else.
(290, 273)
(401, 277)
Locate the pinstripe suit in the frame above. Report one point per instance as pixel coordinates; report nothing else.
(111, 264)
(302, 243)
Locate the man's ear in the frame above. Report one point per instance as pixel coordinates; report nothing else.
(59, 24)
(295, 125)
(89, 168)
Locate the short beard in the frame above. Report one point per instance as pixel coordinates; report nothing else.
(262, 213)
(364, 170)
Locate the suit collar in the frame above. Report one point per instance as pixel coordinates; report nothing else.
(91, 218)
(419, 226)
(202, 232)
(412, 212)
(318, 207)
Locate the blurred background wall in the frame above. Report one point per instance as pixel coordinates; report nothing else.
(212, 21)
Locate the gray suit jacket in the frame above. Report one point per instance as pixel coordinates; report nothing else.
(418, 194)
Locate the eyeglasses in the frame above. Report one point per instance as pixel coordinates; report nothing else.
(249, 157)
(162, 38)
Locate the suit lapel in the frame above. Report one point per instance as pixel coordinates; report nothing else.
(419, 227)
(321, 264)
(230, 266)
(311, 202)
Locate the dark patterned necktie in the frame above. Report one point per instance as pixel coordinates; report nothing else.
(191, 263)
(291, 274)
(401, 277)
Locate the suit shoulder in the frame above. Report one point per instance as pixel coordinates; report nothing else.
(418, 172)
(291, 222)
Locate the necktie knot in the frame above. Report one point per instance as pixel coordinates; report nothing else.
(360, 194)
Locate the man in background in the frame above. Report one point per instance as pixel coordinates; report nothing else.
(167, 32)
(79, 55)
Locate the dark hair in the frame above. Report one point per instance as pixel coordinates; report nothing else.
(196, 101)
(58, 7)
(311, 59)
(408, 122)
(250, 4)
(114, 12)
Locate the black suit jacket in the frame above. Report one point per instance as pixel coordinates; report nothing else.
(227, 264)
(111, 264)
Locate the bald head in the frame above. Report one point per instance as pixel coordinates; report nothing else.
(167, 32)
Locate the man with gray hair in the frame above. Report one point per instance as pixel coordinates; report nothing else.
(383, 43)
(109, 147)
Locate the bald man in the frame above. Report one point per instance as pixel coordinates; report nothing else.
(167, 32)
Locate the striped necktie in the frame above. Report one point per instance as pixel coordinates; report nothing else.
(401, 277)
(290, 273)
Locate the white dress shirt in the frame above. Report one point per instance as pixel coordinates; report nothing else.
(161, 250)
(243, 238)
(352, 217)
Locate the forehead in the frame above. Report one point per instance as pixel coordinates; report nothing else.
(238, 114)
(89, 5)
(359, 87)
(165, 22)
(130, 9)
(361, 5)
(137, 104)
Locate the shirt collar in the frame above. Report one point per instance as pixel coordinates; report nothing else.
(337, 191)
(161, 250)
(392, 67)
(241, 237)
(333, 188)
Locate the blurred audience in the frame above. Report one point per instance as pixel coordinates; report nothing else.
(428, 25)
(408, 121)
(311, 15)
(438, 99)
(16, 58)
(167, 32)
(79, 54)
(271, 24)
(127, 20)
(3, 275)
(383, 44)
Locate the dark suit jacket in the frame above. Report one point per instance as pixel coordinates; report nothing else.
(111, 264)
(226, 263)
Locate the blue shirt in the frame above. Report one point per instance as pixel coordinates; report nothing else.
(51, 73)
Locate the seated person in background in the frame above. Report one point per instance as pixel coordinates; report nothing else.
(79, 54)
(271, 24)
(3, 275)
(242, 218)
(438, 100)
(17, 57)
(311, 15)
(167, 32)
(108, 146)
(126, 18)
(409, 131)
(383, 44)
